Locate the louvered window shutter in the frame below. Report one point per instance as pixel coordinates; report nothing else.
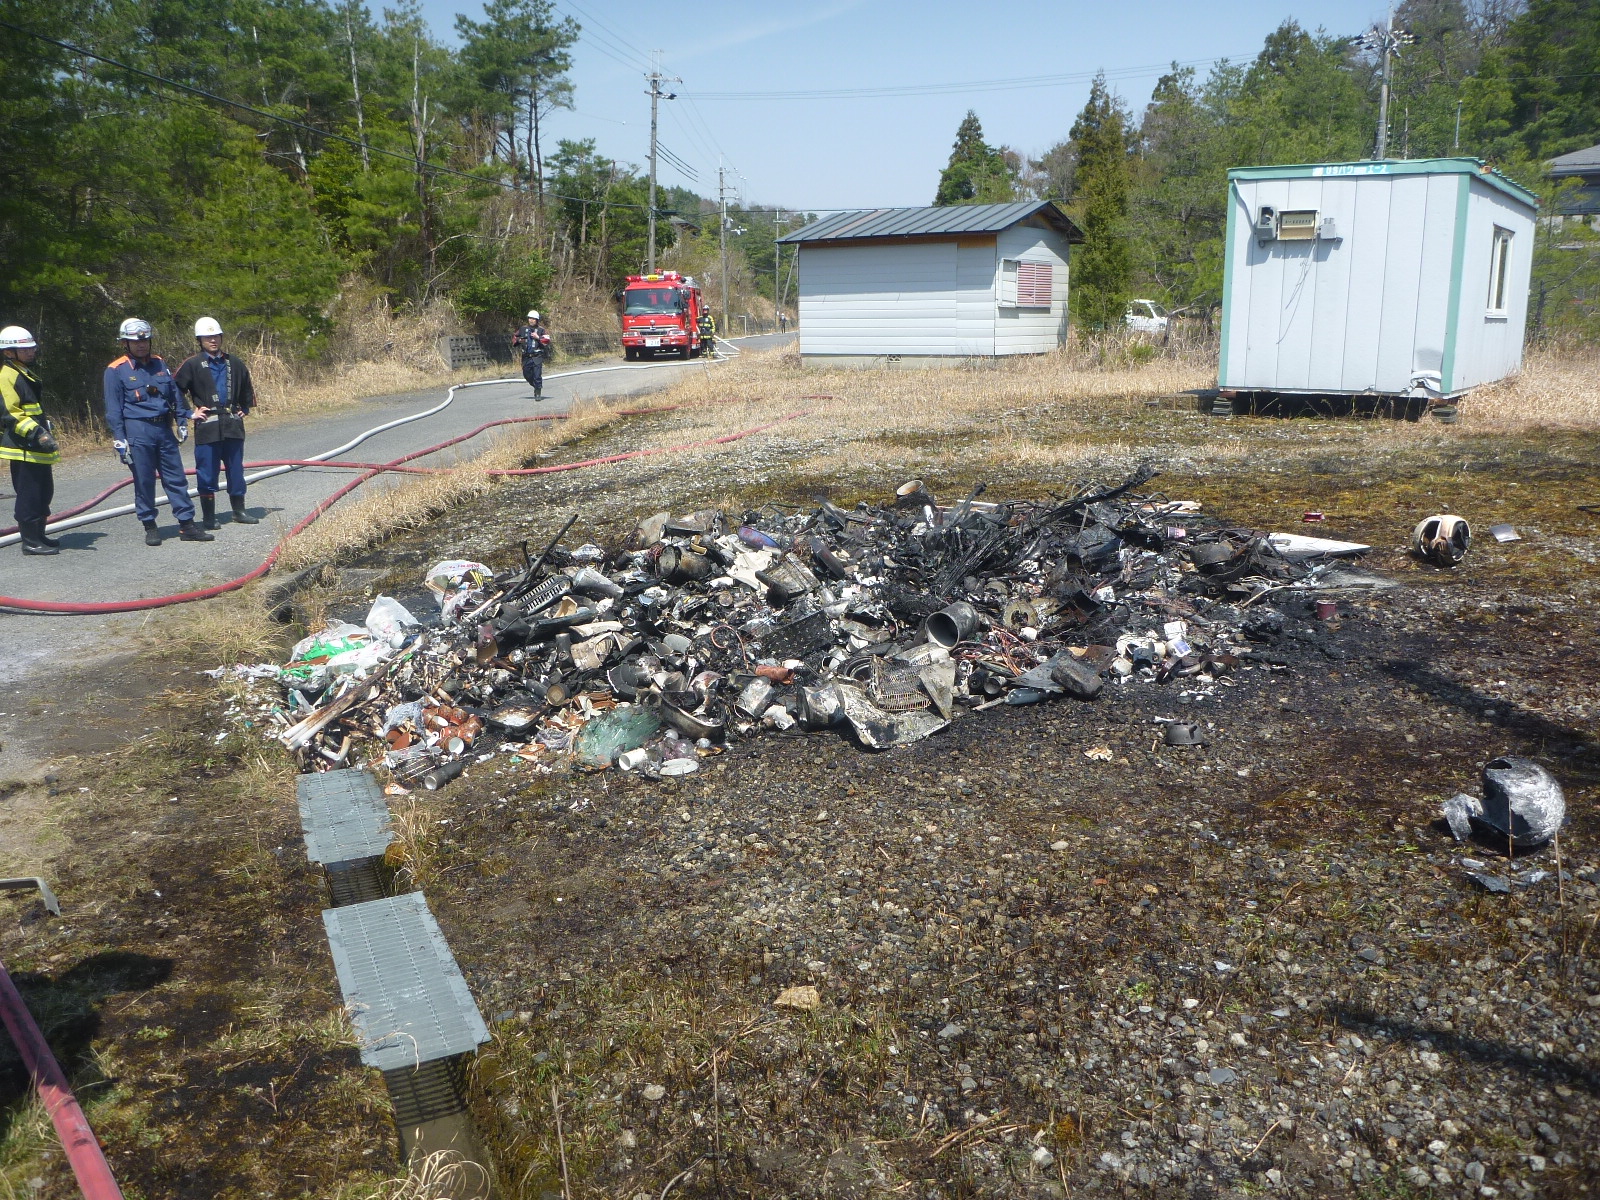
(1033, 284)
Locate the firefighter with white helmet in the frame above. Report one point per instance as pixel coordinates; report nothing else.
(26, 442)
(148, 418)
(534, 342)
(218, 386)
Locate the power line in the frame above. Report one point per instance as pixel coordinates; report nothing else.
(1013, 83)
(611, 34)
(410, 159)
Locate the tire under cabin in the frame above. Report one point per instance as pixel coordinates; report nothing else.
(910, 287)
(1372, 285)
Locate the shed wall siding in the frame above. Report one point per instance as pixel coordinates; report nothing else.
(1490, 348)
(1031, 330)
(1366, 312)
(882, 299)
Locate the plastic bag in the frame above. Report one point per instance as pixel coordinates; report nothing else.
(605, 737)
(308, 661)
(387, 621)
(358, 661)
(455, 575)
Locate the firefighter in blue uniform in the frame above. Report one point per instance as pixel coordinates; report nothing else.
(148, 418)
(25, 439)
(534, 342)
(218, 386)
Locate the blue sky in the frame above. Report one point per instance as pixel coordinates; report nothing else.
(864, 151)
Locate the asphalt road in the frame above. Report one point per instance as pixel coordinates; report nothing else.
(108, 560)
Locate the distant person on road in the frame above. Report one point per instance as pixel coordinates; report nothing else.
(148, 418)
(783, 321)
(218, 386)
(534, 342)
(25, 439)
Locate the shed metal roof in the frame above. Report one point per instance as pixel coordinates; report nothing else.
(953, 220)
(1579, 162)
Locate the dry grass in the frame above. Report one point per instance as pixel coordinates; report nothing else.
(1556, 388)
(387, 508)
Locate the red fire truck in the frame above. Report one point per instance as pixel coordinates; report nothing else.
(664, 313)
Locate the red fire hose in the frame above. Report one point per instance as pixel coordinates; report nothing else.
(72, 1127)
(15, 604)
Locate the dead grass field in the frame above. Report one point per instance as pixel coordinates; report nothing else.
(254, 1086)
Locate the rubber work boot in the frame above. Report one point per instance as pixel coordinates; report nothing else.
(42, 537)
(190, 532)
(33, 539)
(240, 517)
(152, 535)
(208, 512)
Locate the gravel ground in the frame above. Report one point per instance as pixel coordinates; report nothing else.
(1252, 966)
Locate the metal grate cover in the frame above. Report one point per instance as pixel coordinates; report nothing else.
(405, 993)
(344, 815)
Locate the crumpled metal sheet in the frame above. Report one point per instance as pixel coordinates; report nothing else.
(878, 729)
(1521, 800)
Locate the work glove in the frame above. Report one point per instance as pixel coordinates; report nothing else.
(121, 448)
(44, 443)
(183, 431)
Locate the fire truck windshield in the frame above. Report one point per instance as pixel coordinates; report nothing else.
(639, 301)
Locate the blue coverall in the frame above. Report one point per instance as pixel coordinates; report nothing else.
(141, 407)
(224, 454)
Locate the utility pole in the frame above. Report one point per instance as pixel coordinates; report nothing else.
(1456, 148)
(777, 267)
(656, 79)
(1388, 40)
(722, 235)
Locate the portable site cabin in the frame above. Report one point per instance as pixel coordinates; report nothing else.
(1406, 279)
(925, 286)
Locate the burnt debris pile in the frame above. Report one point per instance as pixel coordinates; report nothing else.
(883, 622)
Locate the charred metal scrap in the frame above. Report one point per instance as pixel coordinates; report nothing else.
(883, 622)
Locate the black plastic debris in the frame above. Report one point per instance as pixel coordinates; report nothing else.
(882, 622)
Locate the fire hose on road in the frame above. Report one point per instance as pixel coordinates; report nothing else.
(72, 518)
(15, 604)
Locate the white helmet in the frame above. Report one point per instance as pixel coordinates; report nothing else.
(133, 329)
(1442, 539)
(207, 327)
(533, 314)
(15, 337)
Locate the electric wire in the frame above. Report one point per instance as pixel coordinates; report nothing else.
(1013, 83)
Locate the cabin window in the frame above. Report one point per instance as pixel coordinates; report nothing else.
(1298, 225)
(1499, 265)
(1025, 284)
(1033, 284)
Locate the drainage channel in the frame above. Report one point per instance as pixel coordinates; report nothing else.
(403, 991)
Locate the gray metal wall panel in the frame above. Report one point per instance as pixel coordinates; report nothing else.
(1366, 247)
(1334, 289)
(877, 299)
(1490, 348)
(1433, 311)
(977, 268)
(1401, 281)
(1033, 330)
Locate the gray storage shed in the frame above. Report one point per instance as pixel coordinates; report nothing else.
(1374, 278)
(925, 286)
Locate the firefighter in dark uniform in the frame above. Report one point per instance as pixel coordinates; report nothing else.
(148, 418)
(218, 388)
(25, 439)
(534, 342)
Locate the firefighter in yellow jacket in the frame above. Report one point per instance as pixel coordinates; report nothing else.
(25, 439)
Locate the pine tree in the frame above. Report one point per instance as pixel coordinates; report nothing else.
(977, 173)
(1102, 268)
